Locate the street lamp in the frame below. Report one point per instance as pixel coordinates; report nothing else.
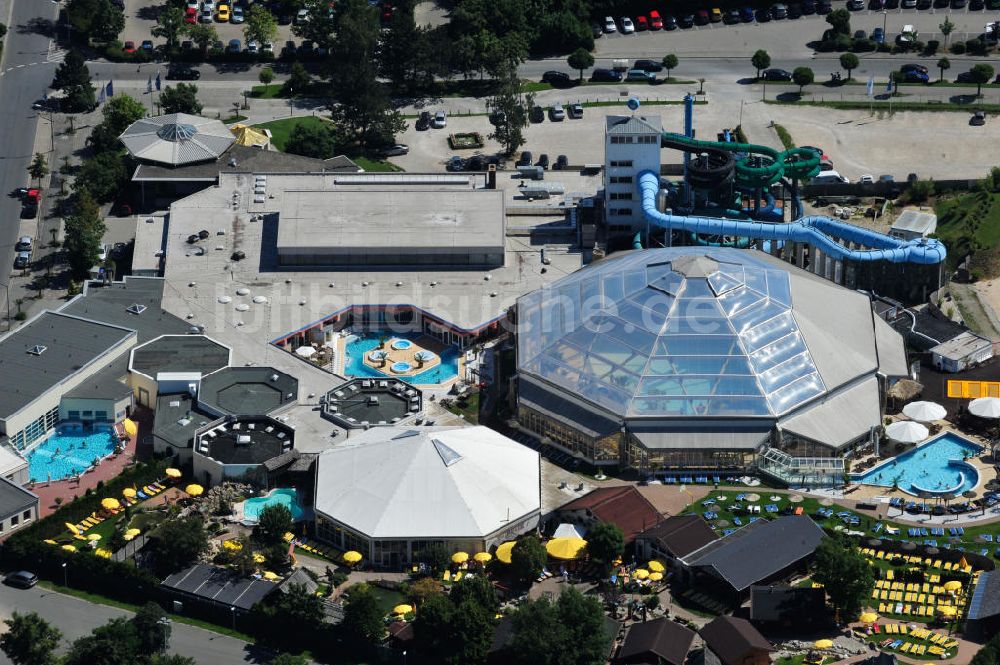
(885, 16)
(232, 610)
(164, 623)
(404, 657)
(65, 575)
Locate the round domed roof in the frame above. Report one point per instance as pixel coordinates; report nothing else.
(176, 139)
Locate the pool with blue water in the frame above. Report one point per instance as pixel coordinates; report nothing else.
(68, 453)
(936, 467)
(359, 347)
(285, 496)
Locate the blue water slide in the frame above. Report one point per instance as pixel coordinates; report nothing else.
(817, 231)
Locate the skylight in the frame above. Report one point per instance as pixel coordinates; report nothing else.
(38, 350)
(448, 456)
(135, 308)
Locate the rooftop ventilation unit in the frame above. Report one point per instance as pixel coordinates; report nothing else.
(243, 439)
(175, 404)
(274, 377)
(135, 308)
(38, 350)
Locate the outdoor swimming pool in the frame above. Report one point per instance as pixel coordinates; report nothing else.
(286, 496)
(68, 453)
(357, 348)
(934, 467)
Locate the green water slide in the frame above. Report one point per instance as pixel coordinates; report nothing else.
(764, 166)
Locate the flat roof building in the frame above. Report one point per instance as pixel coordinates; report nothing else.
(961, 352)
(18, 507)
(171, 363)
(363, 403)
(237, 449)
(912, 224)
(248, 391)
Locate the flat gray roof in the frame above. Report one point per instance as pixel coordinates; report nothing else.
(248, 160)
(916, 221)
(219, 585)
(344, 221)
(230, 445)
(69, 343)
(180, 353)
(248, 391)
(108, 383)
(133, 303)
(14, 499)
(177, 419)
(960, 346)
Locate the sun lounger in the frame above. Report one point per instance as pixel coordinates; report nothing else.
(905, 648)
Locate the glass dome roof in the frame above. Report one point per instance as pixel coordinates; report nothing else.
(675, 332)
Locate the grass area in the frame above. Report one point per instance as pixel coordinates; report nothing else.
(373, 165)
(234, 119)
(387, 598)
(270, 91)
(784, 136)
(800, 658)
(470, 410)
(969, 223)
(104, 600)
(884, 106)
(281, 130)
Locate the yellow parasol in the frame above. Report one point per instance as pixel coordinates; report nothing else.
(110, 503)
(352, 557)
(103, 553)
(655, 566)
(173, 473)
(459, 557)
(93, 536)
(962, 563)
(194, 489)
(504, 551)
(50, 541)
(868, 617)
(270, 577)
(131, 428)
(73, 528)
(953, 585)
(641, 574)
(249, 136)
(947, 610)
(482, 557)
(258, 558)
(565, 548)
(69, 548)
(233, 545)
(132, 533)
(402, 609)
(128, 493)
(823, 644)
(655, 576)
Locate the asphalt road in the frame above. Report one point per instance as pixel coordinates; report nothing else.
(75, 618)
(23, 79)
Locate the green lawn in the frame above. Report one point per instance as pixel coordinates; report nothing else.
(271, 91)
(281, 130)
(387, 598)
(470, 410)
(969, 223)
(233, 119)
(375, 165)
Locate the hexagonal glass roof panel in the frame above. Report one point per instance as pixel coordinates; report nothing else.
(700, 334)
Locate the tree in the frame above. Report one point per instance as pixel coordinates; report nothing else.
(78, 99)
(840, 22)
(321, 24)
(802, 76)
(202, 34)
(181, 98)
(458, 628)
(760, 60)
(320, 140)
(477, 590)
(298, 81)
(436, 557)
(38, 168)
(570, 630)
(989, 654)
(423, 590)
(669, 62)
(152, 632)
(273, 523)
(177, 543)
(84, 231)
(942, 65)
(119, 112)
(946, 28)
(169, 25)
(981, 73)
(30, 640)
(102, 176)
(260, 25)
(114, 643)
(100, 20)
(527, 559)
(72, 71)
(850, 62)
(289, 659)
(605, 543)
(266, 75)
(580, 59)
(176, 659)
(291, 617)
(362, 615)
(432, 628)
(845, 574)
(510, 105)
(402, 49)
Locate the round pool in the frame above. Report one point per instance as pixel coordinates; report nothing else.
(401, 368)
(401, 344)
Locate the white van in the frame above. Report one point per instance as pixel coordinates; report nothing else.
(829, 178)
(908, 35)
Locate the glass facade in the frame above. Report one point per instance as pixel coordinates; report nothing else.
(36, 430)
(600, 450)
(663, 333)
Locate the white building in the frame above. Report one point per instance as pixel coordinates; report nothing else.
(961, 352)
(913, 224)
(394, 491)
(631, 146)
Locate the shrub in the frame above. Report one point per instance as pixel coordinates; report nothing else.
(863, 45)
(975, 47)
(932, 47)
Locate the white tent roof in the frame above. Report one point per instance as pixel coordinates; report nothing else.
(177, 138)
(431, 482)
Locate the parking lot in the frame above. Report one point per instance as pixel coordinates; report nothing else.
(140, 19)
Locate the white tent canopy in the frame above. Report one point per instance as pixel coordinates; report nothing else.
(985, 407)
(305, 351)
(924, 412)
(906, 431)
(177, 138)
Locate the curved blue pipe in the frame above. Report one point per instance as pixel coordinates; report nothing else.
(819, 232)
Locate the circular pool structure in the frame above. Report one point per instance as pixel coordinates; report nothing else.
(401, 344)
(401, 367)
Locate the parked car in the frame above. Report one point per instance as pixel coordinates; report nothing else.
(21, 260)
(395, 150)
(23, 244)
(190, 15)
(147, 45)
(915, 77)
(207, 16)
(913, 67)
(715, 15)
(794, 11)
(301, 16)
(178, 72)
(561, 163)
(440, 120)
(627, 26)
(605, 75)
(640, 75)
(537, 115)
(648, 65)
(978, 119)
(234, 46)
(223, 14)
(808, 7)
(609, 24)
(867, 179)
(475, 163)
(958, 4)
(557, 113)
(669, 22)
(824, 6)
(779, 12)
(655, 20)
(597, 30)
(686, 21)
(921, 4)
(763, 15)
(701, 17)
(855, 5)
(576, 111)
(557, 79)
(641, 23)
(775, 74)
(252, 47)
(524, 159)
(732, 17)
(237, 15)
(860, 34)
(878, 36)
(21, 578)
(746, 14)
(208, 5)
(977, 5)
(456, 163)
(543, 161)
(128, 47)
(423, 121)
